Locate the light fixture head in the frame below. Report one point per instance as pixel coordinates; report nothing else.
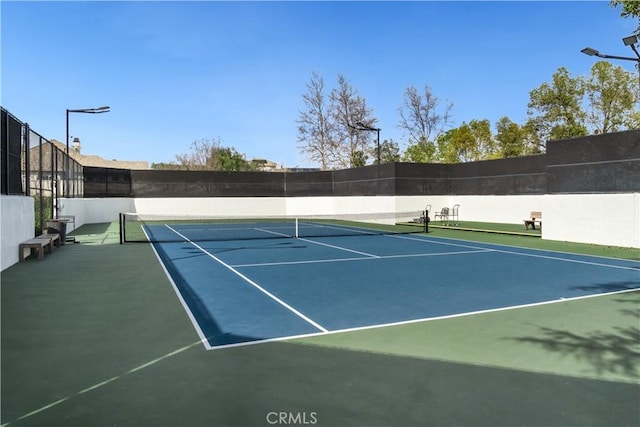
(590, 51)
(630, 41)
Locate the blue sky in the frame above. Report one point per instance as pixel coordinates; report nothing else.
(176, 72)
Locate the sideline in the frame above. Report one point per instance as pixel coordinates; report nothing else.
(105, 382)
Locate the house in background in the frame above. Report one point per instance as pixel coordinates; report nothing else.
(47, 164)
(97, 161)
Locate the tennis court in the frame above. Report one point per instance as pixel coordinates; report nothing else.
(349, 277)
(109, 342)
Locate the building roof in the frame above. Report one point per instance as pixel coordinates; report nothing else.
(97, 161)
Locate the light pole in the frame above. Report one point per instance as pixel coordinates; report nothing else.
(104, 109)
(361, 127)
(630, 41)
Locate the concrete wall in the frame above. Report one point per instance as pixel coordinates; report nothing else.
(605, 219)
(602, 219)
(210, 206)
(94, 211)
(16, 226)
(502, 209)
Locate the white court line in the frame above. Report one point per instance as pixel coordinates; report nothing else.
(340, 248)
(620, 267)
(421, 320)
(322, 244)
(194, 322)
(103, 383)
(428, 239)
(254, 284)
(264, 230)
(320, 261)
(345, 228)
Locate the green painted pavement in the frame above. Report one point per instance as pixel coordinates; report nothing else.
(592, 338)
(94, 335)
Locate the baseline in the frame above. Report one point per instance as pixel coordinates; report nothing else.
(419, 320)
(556, 258)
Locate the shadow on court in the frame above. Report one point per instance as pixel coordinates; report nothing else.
(94, 335)
(612, 349)
(241, 387)
(609, 287)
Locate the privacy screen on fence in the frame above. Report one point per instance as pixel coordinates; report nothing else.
(601, 163)
(11, 141)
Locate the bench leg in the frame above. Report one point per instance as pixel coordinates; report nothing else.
(39, 252)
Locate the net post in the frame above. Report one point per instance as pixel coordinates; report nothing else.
(121, 227)
(426, 221)
(297, 232)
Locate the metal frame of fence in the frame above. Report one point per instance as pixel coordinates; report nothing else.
(42, 167)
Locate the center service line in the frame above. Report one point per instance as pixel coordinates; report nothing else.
(321, 244)
(252, 283)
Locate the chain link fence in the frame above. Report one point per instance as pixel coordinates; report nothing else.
(36, 167)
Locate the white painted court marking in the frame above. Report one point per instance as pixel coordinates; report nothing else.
(323, 244)
(194, 322)
(421, 320)
(340, 248)
(525, 254)
(367, 231)
(252, 283)
(105, 382)
(320, 261)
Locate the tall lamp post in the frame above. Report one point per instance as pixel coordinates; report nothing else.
(104, 109)
(630, 41)
(362, 127)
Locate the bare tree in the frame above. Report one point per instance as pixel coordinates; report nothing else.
(421, 119)
(315, 126)
(353, 147)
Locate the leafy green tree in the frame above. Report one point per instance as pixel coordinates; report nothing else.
(630, 9)
(612, 94)
(228, 159)
(389, 151)
(358, 159)
(469, 142)
(533, 140)
(211, 155)
(485, 147)
(510, 141)
(555, 109)
(422, 151)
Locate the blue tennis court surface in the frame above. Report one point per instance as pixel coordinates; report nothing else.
(243, 291)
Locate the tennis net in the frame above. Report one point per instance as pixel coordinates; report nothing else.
(167, 228)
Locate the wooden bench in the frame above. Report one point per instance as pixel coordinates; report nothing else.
(38, 244)
(535, 217)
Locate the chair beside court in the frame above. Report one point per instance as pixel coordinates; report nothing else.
(534, 217)
(448, 216)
